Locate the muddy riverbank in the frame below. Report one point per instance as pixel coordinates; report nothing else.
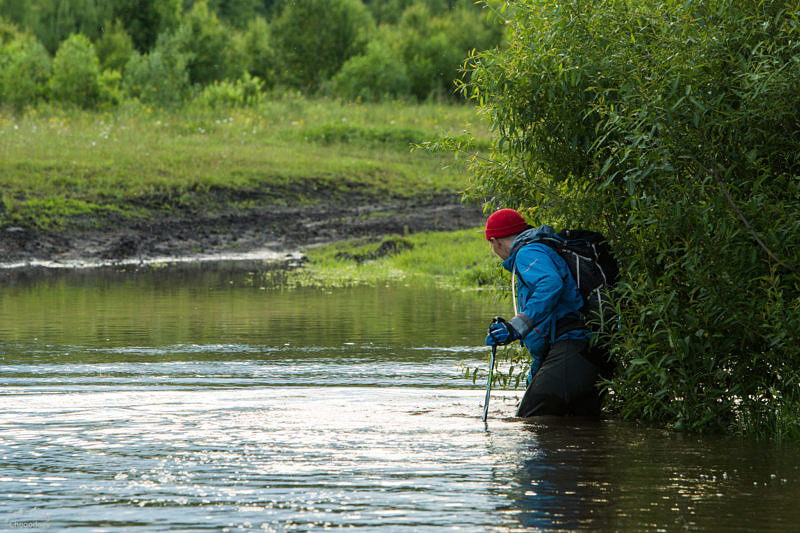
(268, 229)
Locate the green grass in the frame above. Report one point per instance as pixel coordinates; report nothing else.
(460, 259)
(56, 165)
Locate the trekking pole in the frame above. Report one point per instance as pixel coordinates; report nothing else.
(489, 383)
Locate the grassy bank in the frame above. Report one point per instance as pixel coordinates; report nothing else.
(459, 259)
(59, 168)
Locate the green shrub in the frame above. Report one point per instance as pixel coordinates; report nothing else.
(111, 90)
(315, 37)
(342, 132)
(667, 126)
(257, 46)
(376, 75)
(433, 48)
(76, 73)
(9, 31)
(469, 29)
(114, 47)
(212, 53)
(246, 91)
(159, 78)
(25, 69)
(432, 64)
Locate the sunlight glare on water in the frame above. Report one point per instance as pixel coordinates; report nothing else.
(275, 458)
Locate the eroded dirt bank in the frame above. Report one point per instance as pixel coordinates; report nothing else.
(280, 229)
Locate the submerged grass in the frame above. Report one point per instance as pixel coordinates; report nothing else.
(56, 165)
(458, 259)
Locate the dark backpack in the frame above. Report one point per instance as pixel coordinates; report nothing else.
(594, 269)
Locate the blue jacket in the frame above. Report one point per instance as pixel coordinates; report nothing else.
(546, 292)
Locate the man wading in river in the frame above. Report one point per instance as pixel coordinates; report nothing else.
(562, 381)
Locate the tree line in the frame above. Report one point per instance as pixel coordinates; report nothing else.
(92, 53)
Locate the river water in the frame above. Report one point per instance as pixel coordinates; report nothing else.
(206, 398)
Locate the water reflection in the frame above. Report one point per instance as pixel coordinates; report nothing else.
(230, 305)
(561, 475)
(609, 475)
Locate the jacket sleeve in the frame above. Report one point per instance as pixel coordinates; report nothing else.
(543, 286)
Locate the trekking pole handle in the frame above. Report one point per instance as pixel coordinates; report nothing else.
(499, 320)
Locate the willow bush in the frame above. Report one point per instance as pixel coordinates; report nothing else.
(674, 128)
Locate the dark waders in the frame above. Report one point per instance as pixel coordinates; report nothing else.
(566, 384)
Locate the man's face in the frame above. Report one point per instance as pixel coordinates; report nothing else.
(500, 247)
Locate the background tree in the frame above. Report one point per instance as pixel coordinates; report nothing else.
(114, 47)
(76, 73)
(433, 47)
(52, 21)
(160, 77)
(431, 60)
(238, 13)
(390, 11)
(25, 68)
(258, 49)
(315, 37)
(304, 45)
(377, 74)
(210, 48)
(145, 20)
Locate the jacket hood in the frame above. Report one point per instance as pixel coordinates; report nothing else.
(530, 236)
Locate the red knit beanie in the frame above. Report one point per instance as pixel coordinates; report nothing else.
(504, 223)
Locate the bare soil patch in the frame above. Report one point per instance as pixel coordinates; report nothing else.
(190, 232)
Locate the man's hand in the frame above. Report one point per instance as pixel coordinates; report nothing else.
(501, 332)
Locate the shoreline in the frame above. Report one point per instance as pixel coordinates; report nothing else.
(265, 233)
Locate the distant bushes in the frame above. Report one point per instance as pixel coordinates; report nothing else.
(315, 37)
(212, 54)
(378, 73)
(259, 51)
(225, 54)
(159, 77)
(76, 73)
(337, 132)
(25, 71)
(114, 48)
(246, 91)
